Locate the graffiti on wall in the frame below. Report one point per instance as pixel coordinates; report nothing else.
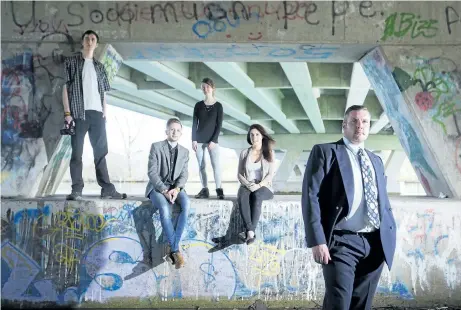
(244, 52)
(111, 61)
(390, 95)
(31, 97)
(68, 252)
(212, 19)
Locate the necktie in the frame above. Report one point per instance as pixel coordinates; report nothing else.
(370, 191)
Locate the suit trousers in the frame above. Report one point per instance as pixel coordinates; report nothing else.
(95, 125)
(352, 275)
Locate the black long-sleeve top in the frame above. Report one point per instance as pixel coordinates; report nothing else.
(207, 122)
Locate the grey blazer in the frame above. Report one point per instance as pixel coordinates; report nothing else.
(159, 165)
(267, 173)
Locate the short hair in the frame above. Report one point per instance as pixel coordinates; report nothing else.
(173, 121)
(88, 32)
(354, 108)
(209, 82)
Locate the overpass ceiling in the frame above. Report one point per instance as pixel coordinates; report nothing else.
(289, 97)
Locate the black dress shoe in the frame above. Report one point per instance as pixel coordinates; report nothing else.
(113, 195)
(220, 193)
(204, 193)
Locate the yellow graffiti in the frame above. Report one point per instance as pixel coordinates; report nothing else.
(4, 176)
(76, 220)
(67, 255)
(266, 259)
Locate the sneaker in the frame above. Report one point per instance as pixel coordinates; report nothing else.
(220, 193)
(204, 193)
(179, 259)
(112, 195)
(74, 196)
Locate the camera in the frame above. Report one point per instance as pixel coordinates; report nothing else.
(68, 129)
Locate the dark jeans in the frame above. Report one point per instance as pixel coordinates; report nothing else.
(352, 275)
(250, 205)
(95, 125)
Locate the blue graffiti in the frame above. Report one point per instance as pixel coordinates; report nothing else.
(390, 96)
(121, 257)
(398, 288)
(416, 253)
(436, 243)
(109, 281)
(274, 52)
(31, 214)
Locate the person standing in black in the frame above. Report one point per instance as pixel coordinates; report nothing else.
(206, 126)
(84, 103)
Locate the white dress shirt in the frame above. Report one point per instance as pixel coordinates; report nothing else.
(357, 219)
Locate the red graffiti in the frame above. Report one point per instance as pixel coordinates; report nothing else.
(425, 183)
(424, 100)
(255, 38)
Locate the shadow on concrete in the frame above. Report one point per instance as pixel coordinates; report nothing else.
(232, 234)
(153, 250)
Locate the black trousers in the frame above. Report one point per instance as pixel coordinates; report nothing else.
(95, 125)
(250, 205)
(352, 275)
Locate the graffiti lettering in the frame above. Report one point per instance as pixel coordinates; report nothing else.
(399, 27)
(366, 5)
(337, 10)
(451, 17)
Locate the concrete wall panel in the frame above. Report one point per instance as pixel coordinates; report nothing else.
(93, 251)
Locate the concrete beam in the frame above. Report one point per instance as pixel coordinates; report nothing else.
(328, 75)
(393, 167)
(307, 141)
(379, 124)
(178, 81)
(359, 86)
(268, 75)
(264, 98)
(285, 168)
(159, 99)
(300, 79)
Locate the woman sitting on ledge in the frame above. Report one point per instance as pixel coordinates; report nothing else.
(255, 172)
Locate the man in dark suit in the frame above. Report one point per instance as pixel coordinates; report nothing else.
(347, 215)
(168, 172)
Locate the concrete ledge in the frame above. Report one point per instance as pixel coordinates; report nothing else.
(95, 251)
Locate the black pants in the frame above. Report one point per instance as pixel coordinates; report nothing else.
(95, 125)
(250, 205)
(352, 275)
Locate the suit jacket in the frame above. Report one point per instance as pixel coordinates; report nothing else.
(268, 169)
(159, 166)
(328, 192)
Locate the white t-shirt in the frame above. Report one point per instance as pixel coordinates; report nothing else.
(91, 97)
(254, 171)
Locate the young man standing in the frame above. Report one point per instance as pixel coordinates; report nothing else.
(84, 103)
(168, 173)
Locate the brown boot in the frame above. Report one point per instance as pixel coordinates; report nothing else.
(178, 259)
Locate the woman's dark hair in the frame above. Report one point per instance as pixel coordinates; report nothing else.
(267, 143)
(209, 82)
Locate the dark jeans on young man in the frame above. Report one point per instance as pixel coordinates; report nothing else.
(250, 205)
(165, 208)
(95, 125)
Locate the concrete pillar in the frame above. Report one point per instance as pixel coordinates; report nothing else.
(393, 167)
(420, 91)
(285, 169)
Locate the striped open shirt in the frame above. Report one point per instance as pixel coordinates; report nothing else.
(73, 66)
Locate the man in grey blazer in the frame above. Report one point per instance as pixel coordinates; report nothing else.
(168, 172)
(347, 215)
